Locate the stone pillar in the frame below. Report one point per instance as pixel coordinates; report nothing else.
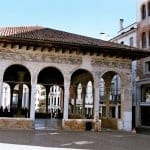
(116, 111)
(1, 89)
(74, 99)
(20, 92)
(47, 93)
(66, 97)
(2, 70)
(96, 102)
(29, 102)
(126, 103)
(138, 100)
(83, 99)
(107, 95)
(32, 103)
(11, 95)
(96, 95)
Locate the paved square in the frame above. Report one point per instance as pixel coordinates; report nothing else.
(58, 139)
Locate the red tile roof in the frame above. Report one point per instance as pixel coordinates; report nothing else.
(48, 34)
(40, 34)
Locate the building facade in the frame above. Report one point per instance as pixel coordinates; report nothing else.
(74, 65)
(143, 65)
(128, 36)
(138, 35)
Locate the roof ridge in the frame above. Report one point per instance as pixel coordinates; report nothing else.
(20, 26)
(31, 27)
(49, 34)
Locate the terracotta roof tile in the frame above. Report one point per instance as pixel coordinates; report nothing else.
(44, 35)
(48, 34)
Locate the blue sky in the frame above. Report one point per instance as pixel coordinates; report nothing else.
(85, 17)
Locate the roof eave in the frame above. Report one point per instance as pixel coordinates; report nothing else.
(132, 53)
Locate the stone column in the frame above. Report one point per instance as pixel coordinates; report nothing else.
(96, 102)
(96, 95)
(75, 99)
(83, 99)
(107, 95)
(116, 111)
(20, 92)
(32, 103)
(11, 95)
(138, 100)
(47, 93)
(33, 95)
(66, 97)
(29, 102)
(2, 70)
(126, 103)
(1, 89)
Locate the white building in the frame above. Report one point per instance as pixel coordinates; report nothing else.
(55, 99)
(126, 35)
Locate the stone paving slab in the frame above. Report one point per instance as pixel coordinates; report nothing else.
(58, 139)
(27, 147)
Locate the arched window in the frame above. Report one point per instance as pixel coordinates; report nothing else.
(149, 38)
(149, 8)
(144, 40)
(143, 11)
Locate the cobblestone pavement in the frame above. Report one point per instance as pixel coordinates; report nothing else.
(58, 139)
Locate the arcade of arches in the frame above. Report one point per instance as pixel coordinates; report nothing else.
(47, 73)
(90, 95)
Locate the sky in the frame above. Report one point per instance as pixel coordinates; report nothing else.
(84, 17)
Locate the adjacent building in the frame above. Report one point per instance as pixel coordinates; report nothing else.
(143, 65)
(138, 35)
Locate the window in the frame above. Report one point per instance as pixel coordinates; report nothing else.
(55, 101)
(144, 40)
(148, 8)
(145, 93)
(149, 38)
(122, 42)
(147, 67)
(112, 111)
(143, 12)
(102, 90)
(131, 41)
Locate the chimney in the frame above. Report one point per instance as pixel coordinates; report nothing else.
(121, 24)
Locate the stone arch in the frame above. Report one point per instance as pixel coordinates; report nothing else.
(15, 68)
(79, 84)
(52, 78)
(110, 98)
(17, 74)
